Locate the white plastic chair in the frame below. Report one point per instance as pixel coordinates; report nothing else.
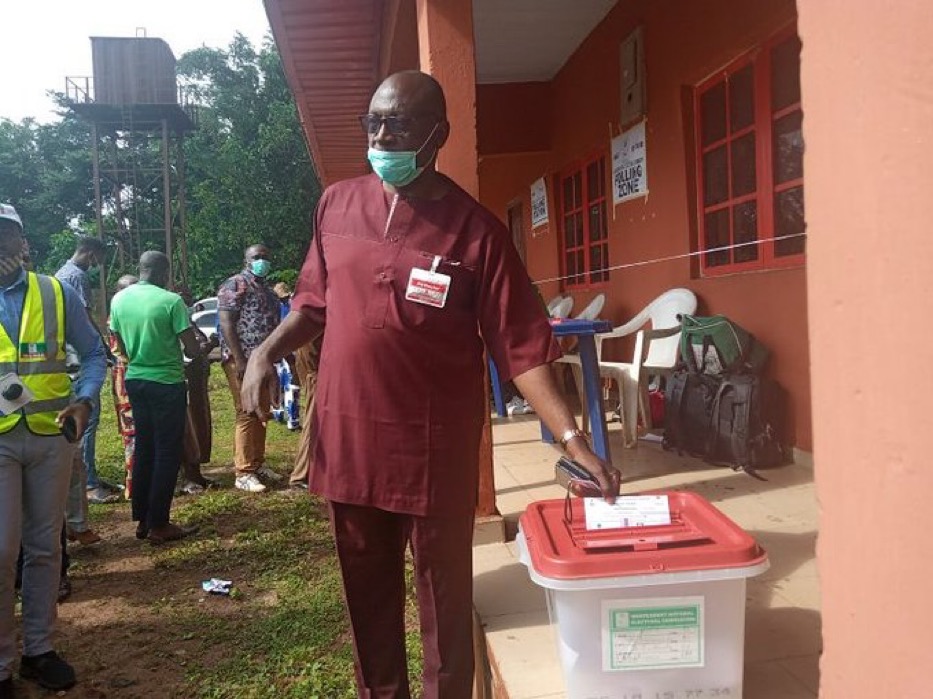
(593, 308)
(562, 307)
(552, 304)
(659, 357)
(590, 312)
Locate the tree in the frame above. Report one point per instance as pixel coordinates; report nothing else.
(45, 172)
(250, 178)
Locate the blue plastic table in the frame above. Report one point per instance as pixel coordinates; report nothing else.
(497, 390)
(584, 330)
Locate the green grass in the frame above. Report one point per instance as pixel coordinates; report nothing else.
(283, 632)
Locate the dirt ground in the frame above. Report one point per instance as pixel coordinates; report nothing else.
(110, 629)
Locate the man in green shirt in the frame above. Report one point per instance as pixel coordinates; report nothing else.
(148, 322)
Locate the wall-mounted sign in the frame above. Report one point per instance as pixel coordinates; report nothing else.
(538, 203)
(629, 165)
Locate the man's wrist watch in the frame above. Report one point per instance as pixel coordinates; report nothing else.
(568, 435)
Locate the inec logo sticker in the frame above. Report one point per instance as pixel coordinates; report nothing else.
(32, 350)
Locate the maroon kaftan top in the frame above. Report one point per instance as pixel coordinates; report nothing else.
(400, 396)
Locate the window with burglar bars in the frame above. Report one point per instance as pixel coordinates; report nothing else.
(584, 224)
(750, 161)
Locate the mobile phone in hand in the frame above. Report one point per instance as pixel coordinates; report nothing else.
(70, 429)
(569, 472)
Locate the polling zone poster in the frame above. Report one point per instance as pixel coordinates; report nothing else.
(629, 165)
(538, 203)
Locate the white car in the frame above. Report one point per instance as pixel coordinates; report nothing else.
(208, 304)
(206, 321)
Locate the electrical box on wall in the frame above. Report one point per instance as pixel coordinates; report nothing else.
(633, 77)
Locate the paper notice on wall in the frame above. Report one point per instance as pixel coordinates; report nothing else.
(629, 165)
(652, 634)
(538, 203)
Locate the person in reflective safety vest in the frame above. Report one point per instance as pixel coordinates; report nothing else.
(40, 420)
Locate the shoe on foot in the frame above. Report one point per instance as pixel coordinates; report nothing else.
(85, 538)
(48, 670)
(107, 485)
(518, 406)
(249, 483)
(142, 531)
(267, 474)
(169, 532)
(64, 589)
(192, 488)
(298, 485)
(101, 496)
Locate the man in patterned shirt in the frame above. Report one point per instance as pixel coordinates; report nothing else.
(249, 312)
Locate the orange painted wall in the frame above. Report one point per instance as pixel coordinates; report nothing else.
(684, 42)
(445, 44)
(871, 262)
(404, 52)
(497, 175)
(513, 118)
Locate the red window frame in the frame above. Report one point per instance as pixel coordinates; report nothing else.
(583, 196)
(750, 184)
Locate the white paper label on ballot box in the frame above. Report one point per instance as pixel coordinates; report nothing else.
(652, 634)
(627, 511)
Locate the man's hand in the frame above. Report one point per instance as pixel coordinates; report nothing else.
(258, 386)
(80, 412)
(609, 477)
(240, 363)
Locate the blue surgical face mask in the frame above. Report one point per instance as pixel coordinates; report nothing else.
(398, 167)
(260, 267)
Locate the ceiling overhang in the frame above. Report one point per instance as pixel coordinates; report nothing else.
(530, 40)
(335, 51)
(330, 52)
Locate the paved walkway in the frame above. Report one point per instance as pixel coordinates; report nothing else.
(782, 639)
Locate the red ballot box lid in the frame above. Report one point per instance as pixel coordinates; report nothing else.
(699, 538)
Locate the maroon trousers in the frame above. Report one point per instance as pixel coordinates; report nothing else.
(371, 547)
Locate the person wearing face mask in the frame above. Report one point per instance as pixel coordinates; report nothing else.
(249, 311)
(38, 316)
(89, 253)
(414, 280)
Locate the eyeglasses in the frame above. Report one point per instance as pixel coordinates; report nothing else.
(395, 125)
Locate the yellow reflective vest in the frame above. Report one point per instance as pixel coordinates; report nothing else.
(38, 358)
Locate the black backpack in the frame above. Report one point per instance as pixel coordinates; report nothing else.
(688, 409)
(746, 423)
(733, 420)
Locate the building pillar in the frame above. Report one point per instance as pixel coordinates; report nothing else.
(445, 40)
(867, 91)
(446, 51)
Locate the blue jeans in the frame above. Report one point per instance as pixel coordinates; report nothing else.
(159, 413)
(89, 445)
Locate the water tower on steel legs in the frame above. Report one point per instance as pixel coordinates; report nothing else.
(139, 118)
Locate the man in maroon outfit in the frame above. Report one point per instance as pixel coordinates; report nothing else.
(411, 277)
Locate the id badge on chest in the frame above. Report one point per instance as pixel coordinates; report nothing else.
(428, 286)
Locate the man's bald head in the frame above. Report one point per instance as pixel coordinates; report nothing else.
(415, 93)
(154, 267)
